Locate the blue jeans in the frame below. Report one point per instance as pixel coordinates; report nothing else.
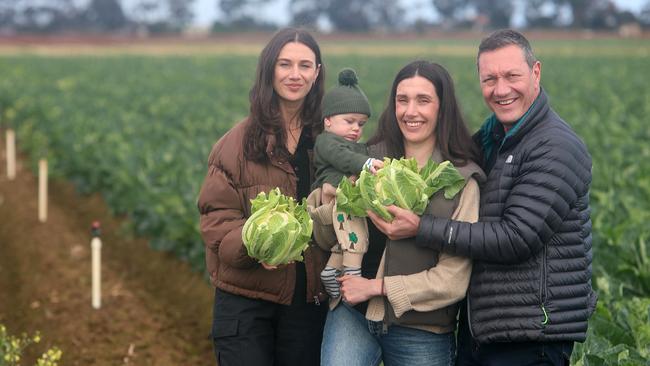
(352, 340)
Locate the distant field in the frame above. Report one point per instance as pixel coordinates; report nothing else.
(136, 121)
(463, 44)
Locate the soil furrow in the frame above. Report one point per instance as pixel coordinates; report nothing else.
(155, 310)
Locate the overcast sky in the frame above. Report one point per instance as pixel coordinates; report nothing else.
(205, 11)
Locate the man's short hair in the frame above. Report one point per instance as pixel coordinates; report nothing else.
(507, 37)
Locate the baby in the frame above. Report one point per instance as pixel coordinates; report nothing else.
(338, 154)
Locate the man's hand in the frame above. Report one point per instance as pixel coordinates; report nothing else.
(356, 289)
(404, 225)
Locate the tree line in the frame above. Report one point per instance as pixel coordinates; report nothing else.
(95, 16)
(373, 15)
(173, 16)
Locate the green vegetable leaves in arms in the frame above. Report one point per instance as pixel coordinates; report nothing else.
(401, 183)
(278, 230)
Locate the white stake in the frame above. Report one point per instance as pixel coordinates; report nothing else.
(11, 154)
(96, 248)
(42, 190)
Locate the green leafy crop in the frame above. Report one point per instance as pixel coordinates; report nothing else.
(278, 230)
(401, 183)
(138, 130)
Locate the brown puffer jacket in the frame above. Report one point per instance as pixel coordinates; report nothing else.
(224, 205)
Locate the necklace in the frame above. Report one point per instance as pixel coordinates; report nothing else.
(293, 135)
(292, 144)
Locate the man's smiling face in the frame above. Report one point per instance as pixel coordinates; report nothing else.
(508, 84)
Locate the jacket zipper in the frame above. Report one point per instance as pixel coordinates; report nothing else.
(469, 316)
(312, 287)
(542, 287)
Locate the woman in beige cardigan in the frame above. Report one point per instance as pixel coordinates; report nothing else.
(402, 311)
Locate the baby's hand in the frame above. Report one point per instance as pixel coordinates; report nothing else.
(375, 164)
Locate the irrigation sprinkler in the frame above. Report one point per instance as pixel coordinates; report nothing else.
(96, 248)
(11, 154)
(42, 190)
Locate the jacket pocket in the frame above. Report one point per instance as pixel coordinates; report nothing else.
(542, 287)
(222, 328)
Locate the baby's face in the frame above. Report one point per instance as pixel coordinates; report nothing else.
(348, 125)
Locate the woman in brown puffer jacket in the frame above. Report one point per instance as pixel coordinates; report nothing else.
(266, 315)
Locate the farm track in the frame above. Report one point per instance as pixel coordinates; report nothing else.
(155, 311)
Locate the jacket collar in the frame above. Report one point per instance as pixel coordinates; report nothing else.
(278, 161)
(270, 144)
(492, 134)
(274, 158)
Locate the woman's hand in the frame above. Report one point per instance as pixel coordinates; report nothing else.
(328, 193)
(268, 267)
(356, 289)
(404, 225)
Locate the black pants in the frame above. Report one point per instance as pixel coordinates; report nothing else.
(252, 332)
(471, 353)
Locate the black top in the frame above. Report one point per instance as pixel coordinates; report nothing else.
(300, 163)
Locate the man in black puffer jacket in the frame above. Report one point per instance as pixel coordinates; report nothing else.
(530, 294)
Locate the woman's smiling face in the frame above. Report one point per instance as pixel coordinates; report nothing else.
(416, 109)
(295, 72)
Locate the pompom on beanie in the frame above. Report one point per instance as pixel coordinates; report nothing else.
(346, 97)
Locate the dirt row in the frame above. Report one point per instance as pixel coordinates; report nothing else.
(155, 310)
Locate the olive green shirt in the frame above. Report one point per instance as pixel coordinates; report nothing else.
(336, 157)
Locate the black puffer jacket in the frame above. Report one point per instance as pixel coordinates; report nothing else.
(531, 279)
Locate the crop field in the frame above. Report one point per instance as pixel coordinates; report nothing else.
(138, 129)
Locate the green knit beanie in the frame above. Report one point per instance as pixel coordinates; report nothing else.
(346, 97)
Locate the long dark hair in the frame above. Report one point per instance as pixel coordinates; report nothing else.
(452, 135)
(264, 118)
